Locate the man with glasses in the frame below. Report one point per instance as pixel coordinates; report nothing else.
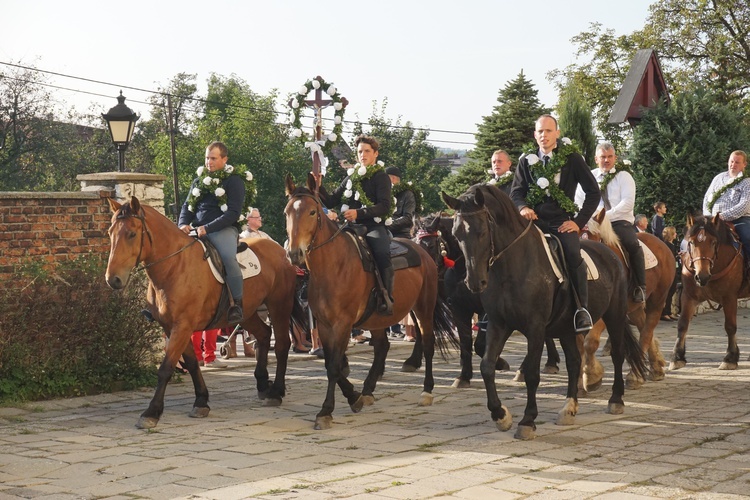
(254, 221)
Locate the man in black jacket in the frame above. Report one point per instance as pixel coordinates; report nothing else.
(552, 207)
(406, 205)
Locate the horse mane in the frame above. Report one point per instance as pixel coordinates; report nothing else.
(498, 203)
(604, 230)
(719, 231)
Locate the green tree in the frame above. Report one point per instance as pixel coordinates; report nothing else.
(511, 124)
(574, 120)
(472, 172)
(678, 149)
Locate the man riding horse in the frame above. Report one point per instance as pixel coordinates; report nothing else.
(367, 200)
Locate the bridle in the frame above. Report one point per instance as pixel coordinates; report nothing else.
(439, 248)
(690, 263)
(494, 257)
(319, 225)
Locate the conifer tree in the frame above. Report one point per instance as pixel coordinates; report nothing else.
(575, 122)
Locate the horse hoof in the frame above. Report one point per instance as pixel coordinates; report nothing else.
(461, 384)
(358, 404)
(272, 402)
(582, 393)
(262, 395)
(425, 399)
(595, 386)
(408, 368)
(519, 377)
(616, 408)
(550, 369)
(506, 422)
(147, 423)
(676, 365)
(728, 366)
(199, 412)
(367, 400)
(323, 423)
(657, 376)
(501, 365)
(633, 384)
(565, 418)
(525, 433)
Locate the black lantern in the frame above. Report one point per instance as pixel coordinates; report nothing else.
(121, 122)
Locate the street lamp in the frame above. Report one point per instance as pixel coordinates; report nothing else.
(121, 122)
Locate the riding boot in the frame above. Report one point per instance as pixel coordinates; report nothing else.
(638, 264)
(234, 315)
(581, 319)
(386, 307)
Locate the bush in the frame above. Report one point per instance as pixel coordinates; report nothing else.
(64, 332)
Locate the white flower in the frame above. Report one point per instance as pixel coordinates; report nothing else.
(377, 219)
(344, 208)
(297, 132)
(332, 137)
(338, 106)
(215, 180)
(295, 104)
(532, 159)
(349, 184)
(195, 192)
(350, 171)
(626, 162)
(242, 217)
(410, 183)
(381, 163)
(492, 181)
(229, 169)
(395, 201)
(337, 120)
(388, 221)
(224, 207)
(302, 90)
(219, 192)
(348, 193)
(200, 170)
(612, 171)
(331, 90)
(356, 196)
(316, 84)
(362, 170)
(248, 176)
(542, 183)
(566, 141)
(191, 208)
(207, 180)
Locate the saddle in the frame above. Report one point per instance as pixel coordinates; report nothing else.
(553, 247)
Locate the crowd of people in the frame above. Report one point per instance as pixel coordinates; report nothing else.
(551, 185)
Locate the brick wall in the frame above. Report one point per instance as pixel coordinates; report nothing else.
(51, 227)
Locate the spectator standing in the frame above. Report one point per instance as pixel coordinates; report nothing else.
(657, 221)
(670, 236)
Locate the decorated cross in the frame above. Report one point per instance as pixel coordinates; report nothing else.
(321, 143)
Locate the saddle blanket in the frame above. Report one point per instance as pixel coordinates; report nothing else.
(249, 264)
(648, 256)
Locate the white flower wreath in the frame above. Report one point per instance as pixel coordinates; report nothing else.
(297, 104)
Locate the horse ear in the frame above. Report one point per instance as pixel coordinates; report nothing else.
(450, 201)
(479, 197)
(690, 220)
(716, 220)
(599, 217)
(135, 205)
(435, 223)
(311, 184)
(289, 183)
(113, 205)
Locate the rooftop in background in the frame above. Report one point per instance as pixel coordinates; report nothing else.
(643, 87)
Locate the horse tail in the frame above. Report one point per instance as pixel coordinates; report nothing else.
(442, 322)
(299, 317)
(633, 353)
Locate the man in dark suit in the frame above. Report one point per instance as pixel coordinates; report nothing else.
(555, 213)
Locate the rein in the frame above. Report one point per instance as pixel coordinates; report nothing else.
(491, 223)
(690, 265)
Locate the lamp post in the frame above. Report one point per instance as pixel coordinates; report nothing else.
(121, 123)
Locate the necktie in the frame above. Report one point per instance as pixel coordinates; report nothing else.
(545, 160)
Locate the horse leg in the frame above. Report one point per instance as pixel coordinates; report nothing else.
(569, 344)
(427, 327)
(334, 349)
(687, 310)
(553, 357)
(496, 339)
(280, 322)
(262, 333)
(592, 372)
(732, 357)
(526, 427)
(381, 346)
(462, 320)
(414, 362)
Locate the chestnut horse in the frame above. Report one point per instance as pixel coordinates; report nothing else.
(184, 295)
(712, 269)
(658, 281)
(338, 294)
(507, 263)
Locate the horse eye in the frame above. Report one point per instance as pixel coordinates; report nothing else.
(313, 212)
(131, 235)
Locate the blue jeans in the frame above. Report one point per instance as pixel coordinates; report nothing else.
(225, 242)
(742, 226)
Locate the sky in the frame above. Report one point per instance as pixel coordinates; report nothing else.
(439, 63)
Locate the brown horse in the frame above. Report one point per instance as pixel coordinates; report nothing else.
(658, 281)
(338, 294)
(712, 269)
(184, 295)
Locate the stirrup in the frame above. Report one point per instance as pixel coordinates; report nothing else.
(234, 315)
(385, 308)
(639, 294)
(582, 321)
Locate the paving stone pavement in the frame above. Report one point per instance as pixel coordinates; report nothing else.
(686, 437)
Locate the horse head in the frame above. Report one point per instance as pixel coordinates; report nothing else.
(126, 236)
(304, 218)
(599, 228)
(430, 237)
(471, 228)
(703, 237)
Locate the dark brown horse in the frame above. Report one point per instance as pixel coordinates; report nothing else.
(507, 263)
(658, 281)
(338, 294)
(712, 269)
(184, 295)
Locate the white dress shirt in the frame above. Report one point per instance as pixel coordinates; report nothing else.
(620, 192)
